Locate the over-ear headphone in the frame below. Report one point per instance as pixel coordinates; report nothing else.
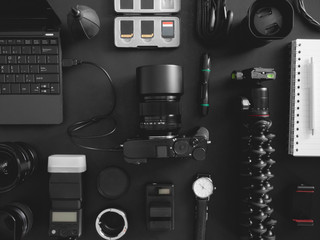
(214, 20)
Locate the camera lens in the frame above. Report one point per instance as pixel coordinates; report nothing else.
(16, 221)
(160, 89)
(17, 162)
(111, 224)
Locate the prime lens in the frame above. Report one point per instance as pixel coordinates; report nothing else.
(17, 162)
(160, 89)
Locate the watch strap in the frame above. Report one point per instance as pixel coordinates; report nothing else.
(199, 175)
(201, 219)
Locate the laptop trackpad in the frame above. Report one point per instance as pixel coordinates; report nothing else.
(31, 109)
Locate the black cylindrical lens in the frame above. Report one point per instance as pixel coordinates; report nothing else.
(7, 222)
(16, 221)
(17, 162)
(160, 89)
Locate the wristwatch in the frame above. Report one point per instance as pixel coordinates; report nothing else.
(203, 188)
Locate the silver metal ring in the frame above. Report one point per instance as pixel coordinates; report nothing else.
(120, 213)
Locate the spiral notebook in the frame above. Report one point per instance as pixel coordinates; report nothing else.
(304, 124)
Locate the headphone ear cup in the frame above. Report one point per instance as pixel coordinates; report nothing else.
(229, 22)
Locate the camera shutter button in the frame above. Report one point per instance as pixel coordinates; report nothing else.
(199, 154)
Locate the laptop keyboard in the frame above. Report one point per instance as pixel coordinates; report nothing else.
(29, 66)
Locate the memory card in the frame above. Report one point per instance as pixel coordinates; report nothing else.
(167, 29)
(147, 29)
(147, 4)
(126, 4)
(127, 29)
(167, 4)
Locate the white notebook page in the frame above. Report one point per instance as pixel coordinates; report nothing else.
(307, 134)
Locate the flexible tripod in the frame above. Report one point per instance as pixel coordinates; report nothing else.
(256, 222)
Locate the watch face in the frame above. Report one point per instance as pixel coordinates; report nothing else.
(203, 187)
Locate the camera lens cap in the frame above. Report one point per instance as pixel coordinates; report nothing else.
(113, 182)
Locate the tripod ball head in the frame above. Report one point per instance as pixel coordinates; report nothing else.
(255, 74)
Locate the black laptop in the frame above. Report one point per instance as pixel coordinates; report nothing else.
(30, 63)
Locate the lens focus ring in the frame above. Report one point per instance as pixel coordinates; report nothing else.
(17, 162)
(160, 87)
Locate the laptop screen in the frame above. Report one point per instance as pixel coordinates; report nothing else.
(27, 12)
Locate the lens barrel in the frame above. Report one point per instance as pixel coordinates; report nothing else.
(160, 89)
(17, 162)
(16, 221)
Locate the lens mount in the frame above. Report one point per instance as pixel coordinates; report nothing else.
(111, 224)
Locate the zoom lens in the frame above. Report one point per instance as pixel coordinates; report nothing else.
(17, 162)
(16, 221)
(160, 89)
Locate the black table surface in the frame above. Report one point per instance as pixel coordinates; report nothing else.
(85, 96)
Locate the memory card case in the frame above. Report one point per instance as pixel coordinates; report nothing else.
(147, 23)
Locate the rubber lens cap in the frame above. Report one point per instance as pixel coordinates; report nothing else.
(113, 182)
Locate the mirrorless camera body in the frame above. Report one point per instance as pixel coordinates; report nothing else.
(160, 90)
(140, 150)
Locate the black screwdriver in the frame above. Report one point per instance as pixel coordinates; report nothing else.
(204, 89)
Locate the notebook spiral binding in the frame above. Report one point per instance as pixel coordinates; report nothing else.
(294, 96)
